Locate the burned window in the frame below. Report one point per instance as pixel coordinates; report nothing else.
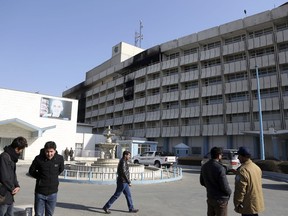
(129, 89)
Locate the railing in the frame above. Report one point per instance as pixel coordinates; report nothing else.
(150, 174)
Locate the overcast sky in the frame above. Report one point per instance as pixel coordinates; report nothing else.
(47, 46)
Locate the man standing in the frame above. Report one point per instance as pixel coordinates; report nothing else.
(248, 194)
(123, 184)
(46, 168)
(71, 154)
(66, 153)
(8, 178)
(213, 177)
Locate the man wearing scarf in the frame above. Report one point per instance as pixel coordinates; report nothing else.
(9, 185)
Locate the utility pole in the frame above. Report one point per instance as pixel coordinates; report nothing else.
(262, 146)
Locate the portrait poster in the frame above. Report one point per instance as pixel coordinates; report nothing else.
(55, 108)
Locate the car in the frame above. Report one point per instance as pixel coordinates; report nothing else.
(158, 159)
(229, 160)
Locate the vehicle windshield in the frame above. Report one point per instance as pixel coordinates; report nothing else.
(164, 154)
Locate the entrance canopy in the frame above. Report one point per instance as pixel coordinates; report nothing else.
(36, 131)
(270, 132)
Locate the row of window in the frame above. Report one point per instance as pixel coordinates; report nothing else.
(207, 120)
(238, 96)
(227, 41)
(217, 99)
(206, 64)
(262, 72)
(227, 59)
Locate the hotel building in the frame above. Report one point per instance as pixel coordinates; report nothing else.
(200, 90)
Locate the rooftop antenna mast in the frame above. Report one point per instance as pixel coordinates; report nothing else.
(139, 36)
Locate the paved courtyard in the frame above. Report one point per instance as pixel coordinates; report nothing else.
(181, 198)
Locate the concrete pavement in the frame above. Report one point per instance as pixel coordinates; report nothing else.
(181, 198)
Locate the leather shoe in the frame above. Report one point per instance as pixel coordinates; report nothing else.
(133, 210)
(107, 211)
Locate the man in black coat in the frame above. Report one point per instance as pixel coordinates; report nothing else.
(8, 179)
(213, 177)
(45, 168)
(123, 184)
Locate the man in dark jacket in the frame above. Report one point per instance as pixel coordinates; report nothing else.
(46, 168)
(8, 178)
(213, 177)
(123, 184)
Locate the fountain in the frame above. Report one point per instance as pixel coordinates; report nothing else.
(104, 170)
(107, 151)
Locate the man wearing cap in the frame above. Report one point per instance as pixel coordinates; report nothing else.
(213, 177)
(248, 194)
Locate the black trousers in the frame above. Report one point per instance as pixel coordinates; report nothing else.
(217, 207)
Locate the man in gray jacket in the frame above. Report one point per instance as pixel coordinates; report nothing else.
(213, 177)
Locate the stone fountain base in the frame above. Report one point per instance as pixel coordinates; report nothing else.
(105, 162)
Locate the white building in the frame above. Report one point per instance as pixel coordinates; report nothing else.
(29, 115)
(200, 90)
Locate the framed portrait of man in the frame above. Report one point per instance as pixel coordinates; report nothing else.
(55, 108)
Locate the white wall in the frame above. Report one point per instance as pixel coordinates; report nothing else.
(89, 140)
(26, 107)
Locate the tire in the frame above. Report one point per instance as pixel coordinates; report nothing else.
(136, 162)
(157, 164)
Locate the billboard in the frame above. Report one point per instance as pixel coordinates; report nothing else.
(55, 108)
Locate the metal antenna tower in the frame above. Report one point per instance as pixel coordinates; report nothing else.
(139, 36)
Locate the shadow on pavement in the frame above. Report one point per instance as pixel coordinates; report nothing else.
(276, 186)
(79, 207)
(85, 208)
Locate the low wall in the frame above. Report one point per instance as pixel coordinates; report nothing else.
(109, 175)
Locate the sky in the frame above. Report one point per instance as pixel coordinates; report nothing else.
(47, 46)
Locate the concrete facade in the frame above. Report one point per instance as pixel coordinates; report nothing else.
(199, 90)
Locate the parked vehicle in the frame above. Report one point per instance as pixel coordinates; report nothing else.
(155, 158)
(229, 160)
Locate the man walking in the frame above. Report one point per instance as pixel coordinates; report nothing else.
(123, 184)
(213, 177)
(248, 194)
(46, 168)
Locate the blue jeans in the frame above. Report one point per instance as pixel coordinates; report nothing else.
(121, 187)
(45, 203)
(6, 210)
